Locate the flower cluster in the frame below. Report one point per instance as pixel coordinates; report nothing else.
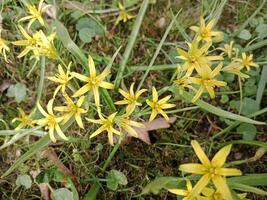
(198, 72)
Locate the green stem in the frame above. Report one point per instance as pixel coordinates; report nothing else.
(41, 81)
(157, 51)
(132, 39)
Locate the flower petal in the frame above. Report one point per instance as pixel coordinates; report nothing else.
(199, 186)
(200, 153)
(221, 185)
(193, 168)
(220, 157)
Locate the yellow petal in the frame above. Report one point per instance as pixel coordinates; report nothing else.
(60, 133)
(41, 109)
(82, 90)
(154, 94)
(80, 76)
(192, 168)
(91, 66)
(96, 95)
(178, 192)
(220, 157)
(79, 120)
(221, 185)
(106, 85)
(229, 172)
(203, 181)
(164, 115)
(110, 138)
(51, 134)
(49, 106)
(200, 153)
(153, 115)
(98, 131)
(80, 101)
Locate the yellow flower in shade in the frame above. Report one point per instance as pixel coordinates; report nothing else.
(211, 171)
(24, 120)
(182, 80)
(93, 82)
(29, 42)
(62, 78)
(34, 14)
(205, 32)
(38, 43)
(207, 81)
(107, 124)
(196, 57)
(3, 47)
(246, 61)
(212, 194)
(123, 16)
(127, 125)
(51, 121)
(229, 49)
(72, 109)
(235, 68)
(130, 98)
(185, 193)
(158, 106)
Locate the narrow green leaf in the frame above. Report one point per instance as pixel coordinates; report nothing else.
(256, 143)
(130, 44)
(247, 188)
(217, 111)
(250, 179)
(261, 85)
(37, 146)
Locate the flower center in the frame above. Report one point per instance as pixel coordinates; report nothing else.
(94, 81)
(156, 106)
(205, 33)
(51, 120)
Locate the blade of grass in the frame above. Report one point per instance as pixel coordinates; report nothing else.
(235, 124)
(256, 143)
(217, 111)
(251, 179)
(255, 46)
(130, 44)
(157, 51)
(246, 188)
(244, 25)
(261, 86)
(218, 12)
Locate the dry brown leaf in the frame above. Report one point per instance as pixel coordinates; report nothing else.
(43, 187)
(143, 133)
(4, 85)
(51, 155)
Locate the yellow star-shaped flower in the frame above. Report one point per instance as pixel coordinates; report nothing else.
(72, 109)
(24, 120)
(51, 121)
(246, 61)
(130, 98)
(158, 106)
(93, 82)
(123, 16)
(3, 47)
(211, 170)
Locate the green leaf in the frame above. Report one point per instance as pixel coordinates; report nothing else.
(249, 106)
(18, 91)
(246, 188)
(251, 179)
(161, 183)
(256, 143)
(212, 109)
(37, 146)
(62, 194)
(261, 85)
(262, 31)
(244, 34)
(95, 27)
(24, 180)
(224, 99)
(247, 130)
(115, 178)
(86, 35)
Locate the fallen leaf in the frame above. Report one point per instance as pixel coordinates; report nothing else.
(43, 187)
(143, 133)
(4, 85)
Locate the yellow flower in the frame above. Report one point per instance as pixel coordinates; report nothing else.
(229, 49)
(246, 61)
(3, 47)
(61, 78)
(235, 68)
(130, 98)
(211, 170)
(196, 57)
(127, 125)
(34, 14)
(72, 109)
(123, 16)
(107, 125)
(29, 42)
(185, 193)
(205, 32)
(38, 43)
(212, 194)
(182, 80)
(207, 81)
(24, 120)
(158, 105)
(51, 121)
(93, 82)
